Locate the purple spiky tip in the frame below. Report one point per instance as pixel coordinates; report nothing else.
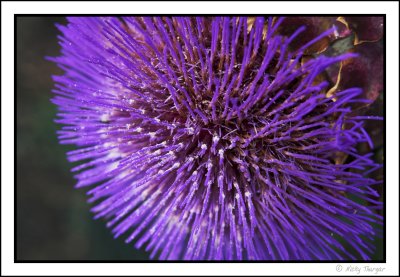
(208, 139)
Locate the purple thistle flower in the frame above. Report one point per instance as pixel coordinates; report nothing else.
(207, 138)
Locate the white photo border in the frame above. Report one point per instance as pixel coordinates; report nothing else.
(9, 9)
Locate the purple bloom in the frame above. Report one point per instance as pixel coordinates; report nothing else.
(209, 138)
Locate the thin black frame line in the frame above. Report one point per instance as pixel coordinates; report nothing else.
(16, 260)
(201, 262)
(384, 136)
(201, 15)
(15, 139)
(213, 1)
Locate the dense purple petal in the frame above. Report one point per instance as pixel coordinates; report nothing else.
(209, 138)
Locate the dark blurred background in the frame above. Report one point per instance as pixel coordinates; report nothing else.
(53, 218)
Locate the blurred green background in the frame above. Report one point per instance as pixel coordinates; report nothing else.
(53, 218)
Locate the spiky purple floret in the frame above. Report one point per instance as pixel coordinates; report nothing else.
(206, 138)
